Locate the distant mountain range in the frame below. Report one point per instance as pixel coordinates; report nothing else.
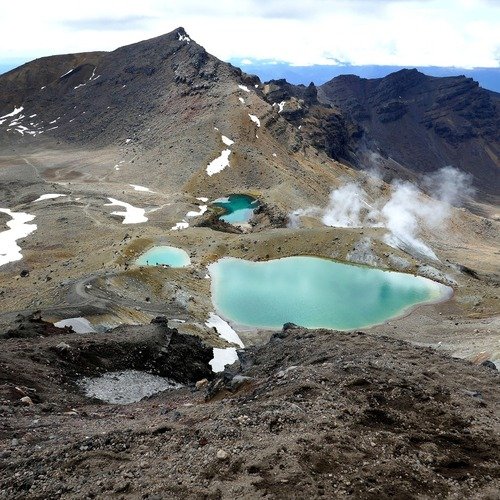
(488, 78)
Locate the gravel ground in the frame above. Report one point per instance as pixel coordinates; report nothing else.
(310, 414)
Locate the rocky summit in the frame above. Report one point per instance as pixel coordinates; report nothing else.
(106, 155)
(424, 122)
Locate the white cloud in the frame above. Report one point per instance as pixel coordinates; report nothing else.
(393, 32)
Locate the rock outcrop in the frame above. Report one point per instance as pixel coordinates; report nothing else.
(423, 123)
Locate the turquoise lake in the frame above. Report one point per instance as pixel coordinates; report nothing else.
(315, 293)
(164, 256)
(238, 208)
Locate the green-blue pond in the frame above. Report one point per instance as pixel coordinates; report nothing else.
(164, 256)
(314, 292)
(238, 208)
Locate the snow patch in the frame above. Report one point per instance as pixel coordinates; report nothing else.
(227, 141)
(227, 356)
(241, 100)
(363, 253)
(125, 387)
(183, 38)
(219, 164)
(10, 251)
(244, 88)
(132, 215)
(202, 198)
(141, 188)
(79, 325)
(67, 73)
(436, 275)
(223, 329)
(180, 225)
(254, 119)
(223, 357)
(49, 197)
(13, 113)
(202, 210)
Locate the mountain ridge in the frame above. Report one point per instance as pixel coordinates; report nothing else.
(141, 93)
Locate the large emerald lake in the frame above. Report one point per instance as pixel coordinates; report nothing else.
(314, 292)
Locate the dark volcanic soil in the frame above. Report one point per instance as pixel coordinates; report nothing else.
(311, 414)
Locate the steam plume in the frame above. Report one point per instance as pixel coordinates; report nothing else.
(403, 214)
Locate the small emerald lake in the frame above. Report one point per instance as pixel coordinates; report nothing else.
(315, 293)
(238, 208)
(164, 256)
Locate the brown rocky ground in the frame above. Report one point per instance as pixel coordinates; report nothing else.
(311, 414)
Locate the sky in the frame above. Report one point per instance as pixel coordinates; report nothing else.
(461, 33)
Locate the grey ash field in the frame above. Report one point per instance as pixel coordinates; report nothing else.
(405, 409)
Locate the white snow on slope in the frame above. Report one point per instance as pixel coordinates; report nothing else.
(12, 113)
(244, 88)
(227, 356)
(219, 164)
(132, 215)
(92, 76)
(16, 124)
(180, 225)
(79, 324)
(49, 197)
(183, 38)
(204, 199)
(241, 100)
(140, 188)
(254, 119)
(223, 329)
(125, 387)
(227, 141)
(10, 251)
(117, 166)
(67, 73)
(203, 209)
(223, 357)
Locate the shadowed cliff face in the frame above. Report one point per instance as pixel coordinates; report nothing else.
(424, 123)
(323, 126)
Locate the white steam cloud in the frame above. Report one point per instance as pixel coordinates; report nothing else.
(344, 207)
(449, 185)
(404, 214)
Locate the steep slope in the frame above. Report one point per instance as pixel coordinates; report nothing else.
(424, 123)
